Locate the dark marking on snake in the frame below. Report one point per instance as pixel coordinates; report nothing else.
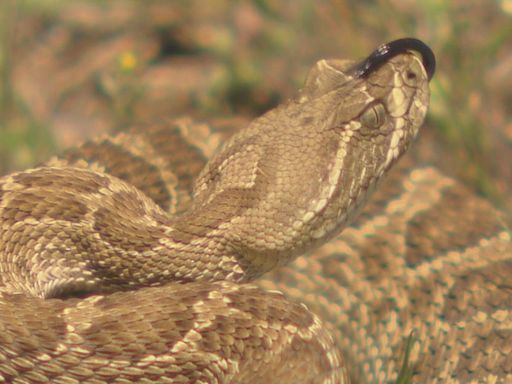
(389, 50)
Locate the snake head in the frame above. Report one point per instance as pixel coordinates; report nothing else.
(365, 115)
(298, 174)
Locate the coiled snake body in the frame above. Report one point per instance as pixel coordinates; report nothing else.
(100, 284)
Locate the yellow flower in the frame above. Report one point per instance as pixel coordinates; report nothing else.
(127, 61)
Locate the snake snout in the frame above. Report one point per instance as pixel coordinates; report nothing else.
(410, 44)
(387, 51)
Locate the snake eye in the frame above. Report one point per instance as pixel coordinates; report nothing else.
(374, 116)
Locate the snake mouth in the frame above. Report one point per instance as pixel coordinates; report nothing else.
(389, 50)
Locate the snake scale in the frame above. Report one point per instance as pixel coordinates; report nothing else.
(134, 259)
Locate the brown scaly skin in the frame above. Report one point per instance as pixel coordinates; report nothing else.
(133, 333)
(427, 256)
(251, 210)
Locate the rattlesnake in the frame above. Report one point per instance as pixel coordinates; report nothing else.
(281, 187)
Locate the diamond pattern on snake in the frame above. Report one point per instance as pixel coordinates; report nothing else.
(180, 252)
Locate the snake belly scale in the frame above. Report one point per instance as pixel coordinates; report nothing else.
(111, 276)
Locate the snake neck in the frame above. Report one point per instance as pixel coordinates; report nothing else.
(295, 177)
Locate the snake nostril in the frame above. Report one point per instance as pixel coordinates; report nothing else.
(411, 75)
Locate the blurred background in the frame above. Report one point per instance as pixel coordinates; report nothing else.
(70, 70)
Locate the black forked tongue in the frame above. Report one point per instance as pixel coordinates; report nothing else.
(387, 51)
